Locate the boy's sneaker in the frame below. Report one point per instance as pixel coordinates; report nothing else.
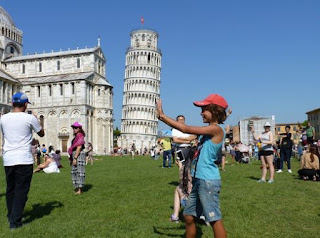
(290, 171)
(271, 181)
(261, 181)
(279, 171)
(204, 219)
(175, 219)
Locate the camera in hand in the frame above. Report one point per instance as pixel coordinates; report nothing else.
(180, 156)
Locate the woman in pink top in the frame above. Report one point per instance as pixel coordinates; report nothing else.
(77, 158)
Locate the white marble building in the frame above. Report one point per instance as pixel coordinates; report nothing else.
(139, 124)
(63, 87)
(257, 122)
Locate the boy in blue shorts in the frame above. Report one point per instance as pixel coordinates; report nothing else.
(204, 197)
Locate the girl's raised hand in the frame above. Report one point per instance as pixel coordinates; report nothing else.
(229, 111)
(159, 111)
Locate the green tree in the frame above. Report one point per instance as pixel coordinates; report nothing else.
(304, 124)
(116, 134)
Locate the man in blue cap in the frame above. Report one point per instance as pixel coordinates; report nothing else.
(17, 127)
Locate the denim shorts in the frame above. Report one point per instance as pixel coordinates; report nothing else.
(183, 202)
(204, 200)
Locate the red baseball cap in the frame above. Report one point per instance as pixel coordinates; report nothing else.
(212, 99)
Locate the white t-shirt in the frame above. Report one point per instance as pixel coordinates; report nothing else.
(17, 129)
(179, 134)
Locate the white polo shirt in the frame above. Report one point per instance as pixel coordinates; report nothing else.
(17, 130)
(179, 134)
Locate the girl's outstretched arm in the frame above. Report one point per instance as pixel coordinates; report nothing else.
(213, 130)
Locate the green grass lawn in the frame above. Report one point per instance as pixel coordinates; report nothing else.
(134, 198)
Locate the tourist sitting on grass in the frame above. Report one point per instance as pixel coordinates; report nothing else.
(89, 154)
(57, 158)
(183, 190)
(48, 166)
(309, 164)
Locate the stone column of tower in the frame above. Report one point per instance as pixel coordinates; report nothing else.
(139, 124)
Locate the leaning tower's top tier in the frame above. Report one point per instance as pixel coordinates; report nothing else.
(144, 39)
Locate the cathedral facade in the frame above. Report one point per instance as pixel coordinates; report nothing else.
(63, 87)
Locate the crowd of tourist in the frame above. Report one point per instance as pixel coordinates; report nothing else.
(198, 168)
(199, 151)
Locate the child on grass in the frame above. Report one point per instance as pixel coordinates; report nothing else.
(183, 190)
(204, 197)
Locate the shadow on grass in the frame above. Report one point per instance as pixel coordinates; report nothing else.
(170, 232)
(2, 194)
(174, 183)
(38, 211)
(253, 178)
(87, 187)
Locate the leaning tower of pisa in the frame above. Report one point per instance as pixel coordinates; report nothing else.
(139, 124)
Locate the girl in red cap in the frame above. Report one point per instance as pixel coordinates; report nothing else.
(206, 181)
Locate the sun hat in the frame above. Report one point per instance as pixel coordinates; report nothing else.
(212, 99)
(267, 124)
(76, 124)
(20, 97)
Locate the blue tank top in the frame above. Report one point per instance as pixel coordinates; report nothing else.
(204, 166)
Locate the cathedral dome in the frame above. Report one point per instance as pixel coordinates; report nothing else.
(5, 18)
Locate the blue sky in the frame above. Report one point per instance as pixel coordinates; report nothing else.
(262, 56)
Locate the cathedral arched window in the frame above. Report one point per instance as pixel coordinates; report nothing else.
(11, 50)
(50, 90)
(23, 68)
(4, 91)
(40, 67)
(42, 121)
(78, 63)
(99, 92)
(61, 89)
(143, 37)
(58, 65)
(39, 91)
(72, 88)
